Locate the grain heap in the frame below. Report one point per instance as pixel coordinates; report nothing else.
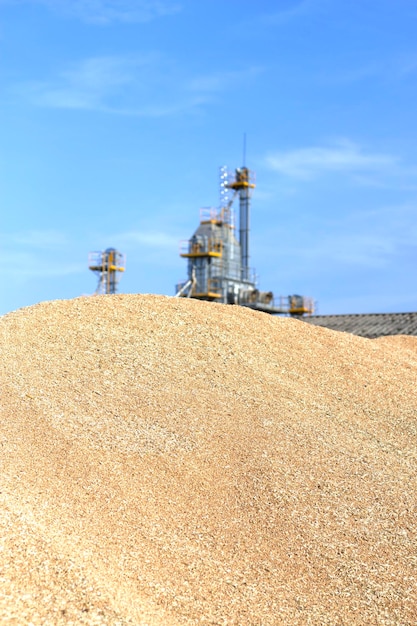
(175, 462)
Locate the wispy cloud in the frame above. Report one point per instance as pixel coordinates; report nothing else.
(148, 85)
(296, 10)
(150, 239)
(360, 73)
(107, 11)
(89, 84)
(51, 253)
(219, 81)
(37, 253)
(147, 246)
(343, 156)
(367, 239)
(43, 239)
(407, 65)
(366, 250)
(388, 70)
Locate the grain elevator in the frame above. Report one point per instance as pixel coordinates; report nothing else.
(219, 262)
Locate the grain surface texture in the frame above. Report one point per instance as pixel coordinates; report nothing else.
(169, 462)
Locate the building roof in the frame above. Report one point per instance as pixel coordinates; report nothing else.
(369, 325)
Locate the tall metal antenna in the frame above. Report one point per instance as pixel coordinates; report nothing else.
(244, 149)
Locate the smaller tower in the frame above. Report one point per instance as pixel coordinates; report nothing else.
(107, 265)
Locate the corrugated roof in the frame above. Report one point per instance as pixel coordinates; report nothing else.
(369, 325)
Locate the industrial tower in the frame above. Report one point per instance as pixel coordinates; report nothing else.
(107, 265)
(218, 263)
(242, 185)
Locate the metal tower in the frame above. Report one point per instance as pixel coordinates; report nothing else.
(218, 263)
(243, 185)
(107, 265)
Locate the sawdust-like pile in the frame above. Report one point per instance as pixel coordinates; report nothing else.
(166, 461)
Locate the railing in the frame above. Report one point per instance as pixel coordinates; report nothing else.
(297, 305)
(208, 247)
(107, 260)
(223, 215)
(265, 300)
(214, 285)
(209, 214)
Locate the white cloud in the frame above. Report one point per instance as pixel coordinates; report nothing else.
(211, 83)
(26, 264)
(294, 11)
(149, 85)
(368, 239)
(359, 73)
(366, 250)
(37, 253)
(333, 250)
(107, 11)
(44, 239)
(49, 253)
(344, 156)
(386, 70)
(408, 65)
(150, 239)
(88, 84)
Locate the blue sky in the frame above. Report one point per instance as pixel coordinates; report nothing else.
(117, 114)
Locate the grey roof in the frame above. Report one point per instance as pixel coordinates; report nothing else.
(369, 325)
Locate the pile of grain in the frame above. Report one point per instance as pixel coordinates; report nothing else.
(173, 462)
